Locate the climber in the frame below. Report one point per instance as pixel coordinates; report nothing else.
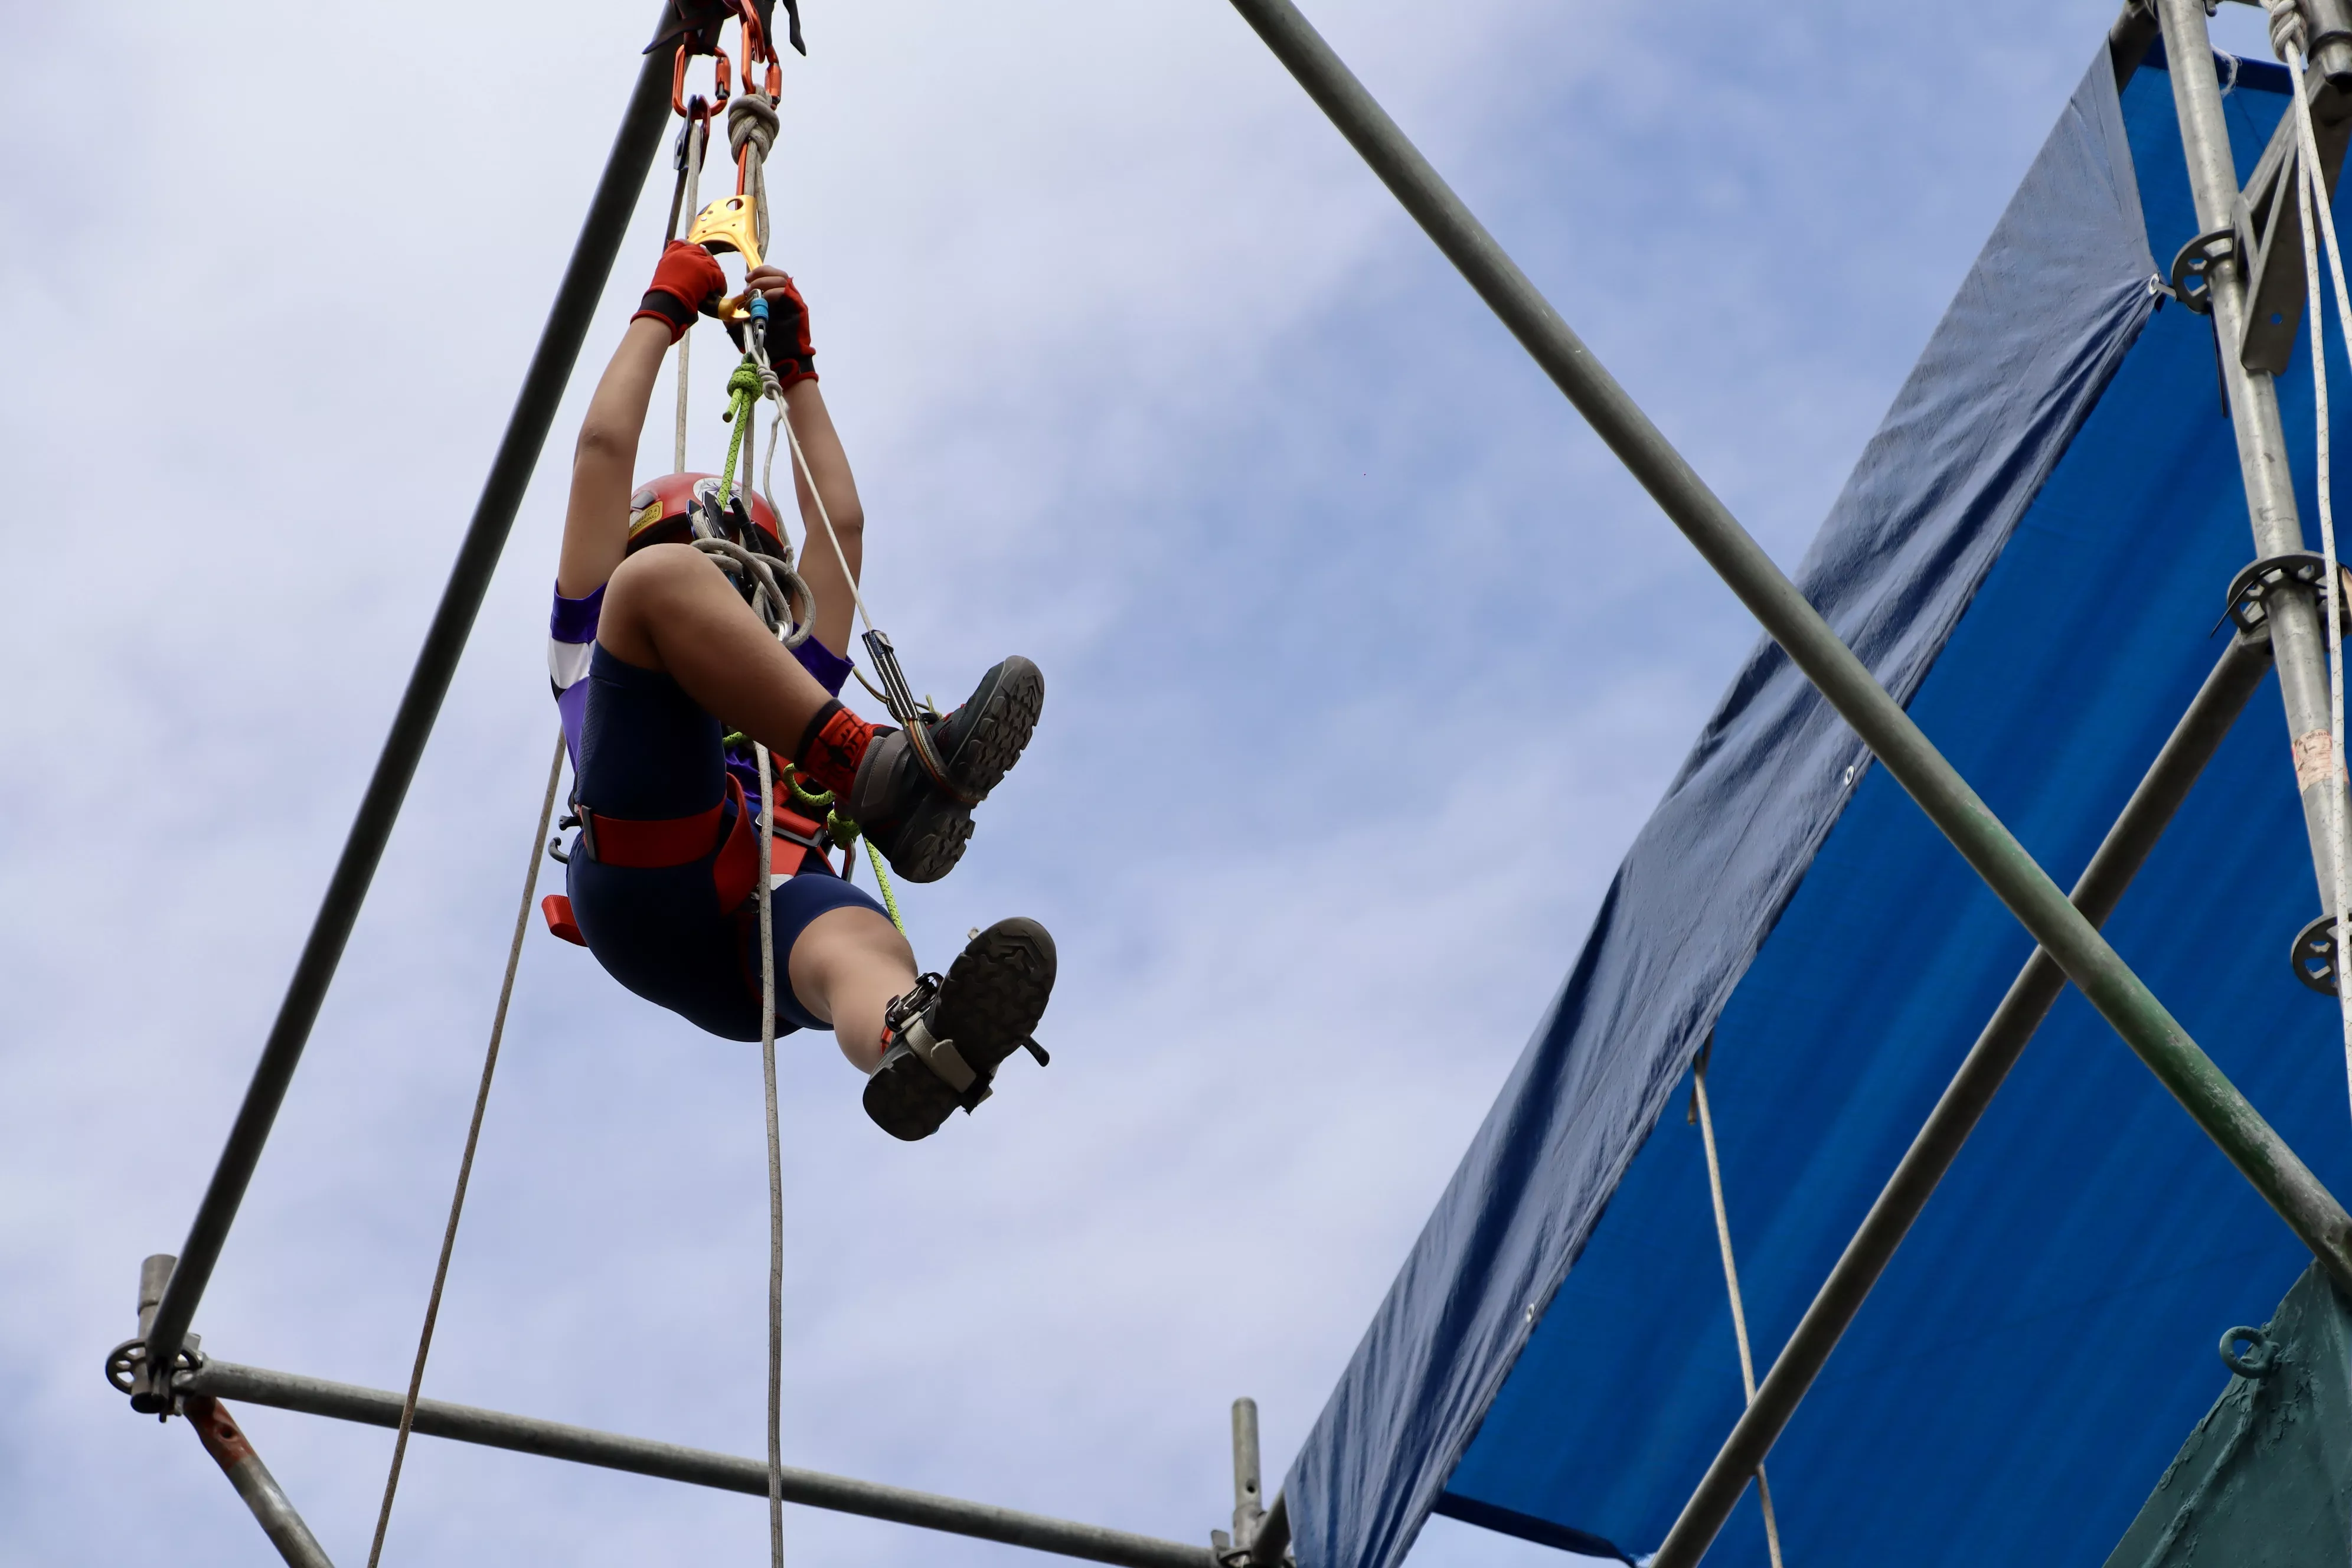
(652, 646)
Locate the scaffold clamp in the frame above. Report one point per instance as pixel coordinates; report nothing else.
(2314, 955)
(2251, 589)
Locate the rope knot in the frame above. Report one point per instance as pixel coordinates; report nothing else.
(746, 382)
(751, 118)
(2288, 34)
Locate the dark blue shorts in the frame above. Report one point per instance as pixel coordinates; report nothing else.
(647, 751)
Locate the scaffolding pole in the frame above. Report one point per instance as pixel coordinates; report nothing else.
(2097, 893)
(233, 1451)
(696, 1466)
(436, 663)
(2096, 969)
(2298, 625)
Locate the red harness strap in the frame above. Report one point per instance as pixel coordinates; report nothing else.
(682, 840)
(651, 846)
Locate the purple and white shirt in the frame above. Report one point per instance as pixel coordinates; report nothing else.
(572, 639)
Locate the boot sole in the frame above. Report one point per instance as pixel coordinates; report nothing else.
(932, 841)
(995, 993)
(996, 990)
(936, 836)
(1008, 717)
(906, 1098)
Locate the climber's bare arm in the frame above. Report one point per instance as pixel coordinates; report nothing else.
(820, 562)
(604, 465)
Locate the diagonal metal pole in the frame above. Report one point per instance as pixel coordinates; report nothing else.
(696, 1466)
(233, 1451)
(2121, 997)
(1963, 1103)
(2298, 636)
(428, 683)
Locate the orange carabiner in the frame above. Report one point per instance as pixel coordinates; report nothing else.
(757, 48)
(677, 99)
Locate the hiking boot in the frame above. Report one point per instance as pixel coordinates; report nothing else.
(948, 1036)
(918, 824)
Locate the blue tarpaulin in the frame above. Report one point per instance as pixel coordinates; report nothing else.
(2031, 555)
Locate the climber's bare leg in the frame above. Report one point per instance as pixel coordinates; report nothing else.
(669, 608)
(846, 969)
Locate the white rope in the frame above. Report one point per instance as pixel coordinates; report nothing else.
(466, 1162)
(695, 138)
(775, 1162)
(2311, 192)
(770, 601)
(785, 419)
(2286, 29)
(1731, 1284)
(780, 596)
(751, 123)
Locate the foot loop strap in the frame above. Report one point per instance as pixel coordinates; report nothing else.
(940, 1056)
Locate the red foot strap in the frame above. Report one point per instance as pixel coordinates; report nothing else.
(557, 910)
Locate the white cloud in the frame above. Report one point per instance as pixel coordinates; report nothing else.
(1365, 665)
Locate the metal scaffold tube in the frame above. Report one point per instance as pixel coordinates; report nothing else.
(696, 1467)
(1937, 1144)
(2128, 39)
(2096, 969)
(233, 1453)
(1272, 1541)
(436, 663)
(2298, 635)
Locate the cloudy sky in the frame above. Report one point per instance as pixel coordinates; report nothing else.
(1364, 664)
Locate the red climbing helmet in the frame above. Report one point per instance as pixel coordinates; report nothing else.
(659, 513)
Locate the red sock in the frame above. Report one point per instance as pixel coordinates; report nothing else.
(832, 747)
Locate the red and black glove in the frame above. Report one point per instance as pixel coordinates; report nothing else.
(687, 280)
(789, 352)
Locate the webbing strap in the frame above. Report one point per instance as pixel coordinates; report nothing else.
(651, 846)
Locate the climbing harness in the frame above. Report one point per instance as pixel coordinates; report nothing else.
(1701, 1114)
(466, 1160)
(2288, 37)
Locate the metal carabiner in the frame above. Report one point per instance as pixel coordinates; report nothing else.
(756, 47)
(677, 99)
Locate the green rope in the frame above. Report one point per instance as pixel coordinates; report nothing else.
(844, 835)
(882, 878)
(742, 390)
